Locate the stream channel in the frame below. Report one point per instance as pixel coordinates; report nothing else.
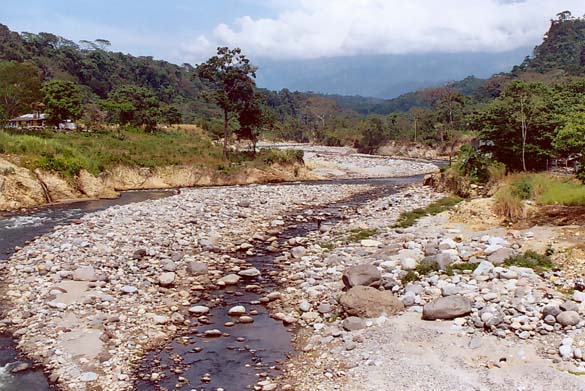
(244, 353)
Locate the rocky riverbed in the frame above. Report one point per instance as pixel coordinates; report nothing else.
(90, 300)
(470, 321)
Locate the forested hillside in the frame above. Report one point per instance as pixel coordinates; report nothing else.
(122, 89)
(99, 71)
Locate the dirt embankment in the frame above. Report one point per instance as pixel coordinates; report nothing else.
(23, 188)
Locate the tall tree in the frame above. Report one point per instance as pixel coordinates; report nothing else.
(20, 88)
(62, 101)
(230, 75)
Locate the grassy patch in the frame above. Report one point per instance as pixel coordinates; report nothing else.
(460, 267)
(531, 259)
(357, 235)
(409, 277)
(408, 219)
(422, 269)
(68, 153)
(542, 188)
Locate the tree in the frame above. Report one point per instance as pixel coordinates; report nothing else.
(20, 88)
(374, 135)
(570, 138)
(230, 76)
(518, 127)
(527, 101)
(252, 119)
(131, 105)
(62, 101)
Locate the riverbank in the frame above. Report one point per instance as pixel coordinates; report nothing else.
(500, 321)
(24, 187)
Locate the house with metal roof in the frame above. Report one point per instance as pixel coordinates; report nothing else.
(32, 121)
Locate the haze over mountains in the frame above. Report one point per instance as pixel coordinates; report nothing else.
(382, 76)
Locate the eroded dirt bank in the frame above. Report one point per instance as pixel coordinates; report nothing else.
(22, 188)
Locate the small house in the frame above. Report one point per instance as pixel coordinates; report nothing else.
(33, 121)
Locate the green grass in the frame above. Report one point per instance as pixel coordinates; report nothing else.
(357, 235)
(96, 152)
(531, 259)
(408, 219)
(460, 267)
(542, 188)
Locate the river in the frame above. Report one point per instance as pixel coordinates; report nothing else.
(225, 361)
(15, 231)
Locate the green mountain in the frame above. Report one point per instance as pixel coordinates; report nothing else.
(99, 71)
(563, 48)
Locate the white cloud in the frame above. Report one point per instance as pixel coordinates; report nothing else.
(327, 28)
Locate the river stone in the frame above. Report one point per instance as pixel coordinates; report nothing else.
(568, 318)
(579, 297)
(408, 263)
(483, 268)
(197, 268)
(353, 323)
(449, 307)
(18, 367)
(85, 273)
(298, 252)
(213, 333)
(362, 275)
(370, 243)
(246, 319)
(139, 254)
(166, 279)
(199, 310)
(129, 289)
(368, 302)
(447, 244)
(551, 310)
(88, 377)
(237, 310)
(501, 255)
(169, 266)
(230, 279)
(251, 272)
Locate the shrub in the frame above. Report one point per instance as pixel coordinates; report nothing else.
(508, 205)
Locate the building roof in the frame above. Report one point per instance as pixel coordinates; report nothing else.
(29, 117)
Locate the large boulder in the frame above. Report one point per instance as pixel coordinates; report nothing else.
(367, 302)
(362, 275)
(449, 307)
(500, 256)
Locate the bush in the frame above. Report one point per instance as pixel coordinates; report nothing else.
(277, 156)
(65, 166)
(542, 188)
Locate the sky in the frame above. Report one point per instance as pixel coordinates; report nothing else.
(190, 30)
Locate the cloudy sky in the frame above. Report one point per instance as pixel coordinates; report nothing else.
(189, 30)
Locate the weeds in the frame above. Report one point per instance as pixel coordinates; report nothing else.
(408, 219)
(531, 259)
(357, 235)
(460, 267)
(541, 188)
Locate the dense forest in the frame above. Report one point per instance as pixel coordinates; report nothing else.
(524, 116)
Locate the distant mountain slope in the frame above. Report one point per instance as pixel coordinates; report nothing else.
(382, 76)
(563, 48)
